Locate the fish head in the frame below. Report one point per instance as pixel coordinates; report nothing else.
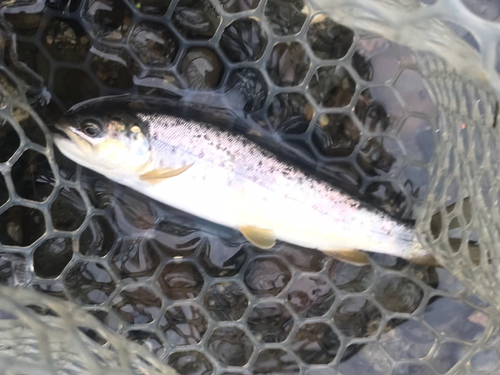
(104, 142)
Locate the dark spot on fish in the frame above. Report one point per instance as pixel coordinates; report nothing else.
(495, 116)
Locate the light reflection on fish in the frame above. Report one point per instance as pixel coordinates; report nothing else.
(222, 176)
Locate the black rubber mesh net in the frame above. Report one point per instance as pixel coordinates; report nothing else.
(355, 106)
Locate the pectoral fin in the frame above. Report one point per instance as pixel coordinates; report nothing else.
(158, 175)
(262, 238)
(356, 257)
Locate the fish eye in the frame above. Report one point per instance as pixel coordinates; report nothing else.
(91, 129)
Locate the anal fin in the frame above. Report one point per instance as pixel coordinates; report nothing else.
(454, 224)
(158, 175)
(262, 238)
(355, 257)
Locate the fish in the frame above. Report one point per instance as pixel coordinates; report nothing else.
(186, 159)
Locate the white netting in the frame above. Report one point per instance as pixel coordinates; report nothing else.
(40, 335)
(463, 82)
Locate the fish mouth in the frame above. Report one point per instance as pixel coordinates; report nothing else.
(69, 146)
(64, 138)
(59, 133)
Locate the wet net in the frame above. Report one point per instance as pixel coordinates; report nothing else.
(394, 101)
(41, 335)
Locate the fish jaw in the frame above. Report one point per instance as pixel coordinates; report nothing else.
(69, 149)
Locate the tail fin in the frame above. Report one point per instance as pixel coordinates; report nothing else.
(474, 249)
(360, 258)
(455, 243)
(436, 219)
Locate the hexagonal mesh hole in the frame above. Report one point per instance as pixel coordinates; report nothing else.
(288, 64)
(66, 40)
(190, 362)
(230, 346)
(4, 193)
(135, 260)
(310, 296)
(247, 89)
(243, 40)
(68, 211)
(285, 18)
(33, 177)
(276, 361)
(332, 87)
(222, 260)
(195, 19)
(316, 343)
(184, 325)
(328, 39)
(137, 305)
(398, 294)
(66, 78)
(148, 339)
(110, 19)
(30, 126)
(180, 281)
(201, 68)
(9, 139)
(89, 283)
(335, 135)
(267, 277)
(112, 73)
(98, 238)
(52, 256)
(290, 113)
(357, 317)
(13, 224)
(270, 322)
(235, 6)
(154, 44)
(225, 301)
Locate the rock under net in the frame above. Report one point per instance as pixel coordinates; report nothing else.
(397, 123)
